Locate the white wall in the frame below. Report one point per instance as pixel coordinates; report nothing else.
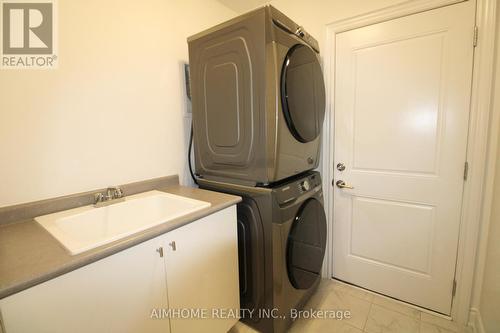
(487, 293)
(114, 110)
(314, 15)
(490, 293)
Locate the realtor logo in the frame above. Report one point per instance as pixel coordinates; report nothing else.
(28, 34)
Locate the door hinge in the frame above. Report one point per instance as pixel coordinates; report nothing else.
(466, 170)
(454, 291)
(476, 35)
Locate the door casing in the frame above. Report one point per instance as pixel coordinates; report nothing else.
(476, 204)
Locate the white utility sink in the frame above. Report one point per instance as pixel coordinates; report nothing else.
(88, 227)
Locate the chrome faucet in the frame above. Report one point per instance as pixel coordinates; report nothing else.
(113, 194)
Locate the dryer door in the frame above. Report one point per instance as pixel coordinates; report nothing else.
(306, 244)
(303, 93)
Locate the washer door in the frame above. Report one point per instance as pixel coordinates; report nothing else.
(303, 93)
(306, 244)
(250, 255)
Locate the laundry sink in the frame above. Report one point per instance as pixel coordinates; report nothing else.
(88, 227)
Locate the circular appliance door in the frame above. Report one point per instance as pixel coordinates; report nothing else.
(306, 245)
(303, 93)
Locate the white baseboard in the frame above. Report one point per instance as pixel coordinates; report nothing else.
(475, 321)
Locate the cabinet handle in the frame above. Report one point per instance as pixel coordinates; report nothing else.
(173, 246)
(160, 251)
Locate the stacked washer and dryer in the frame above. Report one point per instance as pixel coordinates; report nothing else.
(258, 101)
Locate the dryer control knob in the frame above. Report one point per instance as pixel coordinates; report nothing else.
(305, 186)
(300, 32)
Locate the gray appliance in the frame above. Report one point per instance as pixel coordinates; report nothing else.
(258, 99)
(281, 245)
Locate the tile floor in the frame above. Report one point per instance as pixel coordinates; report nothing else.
(370, 313)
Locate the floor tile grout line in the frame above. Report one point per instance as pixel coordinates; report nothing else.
(441, 327)
(355, 295)
(401, 313)
(418, 318)
(372, 301)
(364, 296)
(368, 315)
(400, 302)
(352, 326)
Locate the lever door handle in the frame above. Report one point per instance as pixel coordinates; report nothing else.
(342, 184)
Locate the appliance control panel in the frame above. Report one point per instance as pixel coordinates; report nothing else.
(289, 192)
(309, 183)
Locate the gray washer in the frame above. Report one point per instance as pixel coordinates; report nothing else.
(258, 99)
(281, 246)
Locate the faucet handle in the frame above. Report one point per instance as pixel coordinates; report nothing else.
(98, 197)
(118, 192)
(114, 192)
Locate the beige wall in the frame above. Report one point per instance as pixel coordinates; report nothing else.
(489, 295)
(114, 110)
(314, 15)
(314, 21)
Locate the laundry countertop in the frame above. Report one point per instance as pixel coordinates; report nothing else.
(29, 255)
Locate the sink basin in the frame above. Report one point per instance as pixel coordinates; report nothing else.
(88, 227)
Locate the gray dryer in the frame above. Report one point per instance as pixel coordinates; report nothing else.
(281, 247)
(258, 99)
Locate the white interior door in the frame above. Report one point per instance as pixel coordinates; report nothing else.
(402, 93)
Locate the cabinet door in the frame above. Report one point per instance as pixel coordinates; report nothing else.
(115, 294)
(202, 272)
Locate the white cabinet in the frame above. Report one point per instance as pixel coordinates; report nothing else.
(202, 273)
(120, 293)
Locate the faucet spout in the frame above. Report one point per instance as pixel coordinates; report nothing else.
(113, 194)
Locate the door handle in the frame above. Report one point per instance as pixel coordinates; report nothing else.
(342, 184)
(173, 246)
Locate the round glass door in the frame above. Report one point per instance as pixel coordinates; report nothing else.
(306, 245)
(303, 93)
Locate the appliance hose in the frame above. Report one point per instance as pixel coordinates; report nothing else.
(189, 156)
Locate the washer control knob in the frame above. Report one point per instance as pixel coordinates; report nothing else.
(305, 186)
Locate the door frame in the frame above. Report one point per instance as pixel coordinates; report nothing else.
(481, 145)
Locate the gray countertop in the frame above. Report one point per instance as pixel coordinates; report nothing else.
(29, 255)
